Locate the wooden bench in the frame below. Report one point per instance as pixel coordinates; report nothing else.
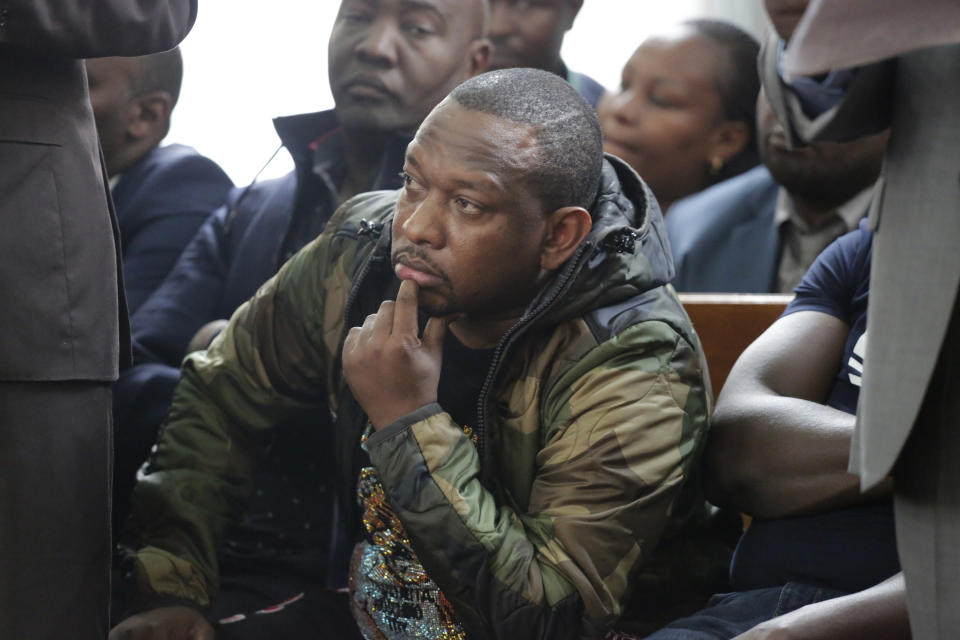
(727, 323)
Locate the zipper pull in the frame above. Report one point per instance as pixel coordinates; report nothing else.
(370, 229)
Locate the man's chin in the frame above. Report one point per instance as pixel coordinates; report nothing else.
(435, 306)
(369, 118)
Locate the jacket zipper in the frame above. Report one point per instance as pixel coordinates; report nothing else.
(361, 275)
(565, 279)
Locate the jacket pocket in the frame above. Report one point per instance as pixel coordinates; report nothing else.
(29, 120)
(35, 333)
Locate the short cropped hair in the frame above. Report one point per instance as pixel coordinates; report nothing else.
(160, 72)
(569, 142)
(739, 84)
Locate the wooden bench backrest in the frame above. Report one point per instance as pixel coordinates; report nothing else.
(727, 323)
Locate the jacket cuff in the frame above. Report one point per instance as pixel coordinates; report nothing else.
(402, 424)
(135, 600)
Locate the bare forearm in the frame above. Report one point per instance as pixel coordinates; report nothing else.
(877, 613)
(771, 456)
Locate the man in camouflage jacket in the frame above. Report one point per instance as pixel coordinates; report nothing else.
(536, 520)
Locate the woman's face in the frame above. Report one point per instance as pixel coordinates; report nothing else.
(667, 120)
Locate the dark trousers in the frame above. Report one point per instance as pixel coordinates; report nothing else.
(254, 605)
(927, 501)
(141, 398)
(55, 459)
(730, 614)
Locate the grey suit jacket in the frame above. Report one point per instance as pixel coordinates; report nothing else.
(916, 217)
(724, 238)
(62, 312)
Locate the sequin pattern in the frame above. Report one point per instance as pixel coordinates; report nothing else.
(392, 596)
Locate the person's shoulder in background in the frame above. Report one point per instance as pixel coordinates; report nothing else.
(723, 237)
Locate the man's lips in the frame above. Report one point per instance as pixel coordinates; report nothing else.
(368, 87)
(418, 272)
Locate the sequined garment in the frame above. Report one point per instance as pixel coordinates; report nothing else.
(392, 596)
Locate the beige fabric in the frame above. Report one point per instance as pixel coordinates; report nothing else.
(838, 34)
(801, 243)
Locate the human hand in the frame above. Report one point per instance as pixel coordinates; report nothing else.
(202, 338)
(390, 370)
(785, 15)
(164, 623)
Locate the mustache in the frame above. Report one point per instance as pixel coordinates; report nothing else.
(414, 254)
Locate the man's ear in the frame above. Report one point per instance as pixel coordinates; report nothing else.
(151, 116)
(730, 137)
(479, 52)
(566, 229)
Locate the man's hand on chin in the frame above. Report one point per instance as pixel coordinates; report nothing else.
(391, 371)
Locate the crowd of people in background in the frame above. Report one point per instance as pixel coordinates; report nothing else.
(438, 381)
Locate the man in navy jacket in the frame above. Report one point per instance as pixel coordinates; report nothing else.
(162, 194)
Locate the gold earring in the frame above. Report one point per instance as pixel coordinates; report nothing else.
(716, 163)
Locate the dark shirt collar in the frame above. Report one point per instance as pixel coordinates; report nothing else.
(315, 140)
(329, 165)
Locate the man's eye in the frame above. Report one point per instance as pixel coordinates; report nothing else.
(465, 206)
(417, 30)
(354, 16)
(409, 182)
(659, 100)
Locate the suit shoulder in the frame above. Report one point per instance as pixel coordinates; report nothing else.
(746, 198)
(180, 157)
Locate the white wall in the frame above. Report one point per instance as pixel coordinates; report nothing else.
(246, 61)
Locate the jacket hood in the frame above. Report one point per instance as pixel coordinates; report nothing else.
(626, 253)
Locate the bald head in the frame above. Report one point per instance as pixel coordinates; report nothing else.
(132, 99)
(569, 147)
(160, 72)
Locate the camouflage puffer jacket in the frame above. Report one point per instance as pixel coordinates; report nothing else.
(592, 419)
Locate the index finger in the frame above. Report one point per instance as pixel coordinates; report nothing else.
(405, 311)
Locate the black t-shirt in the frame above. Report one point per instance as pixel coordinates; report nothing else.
(849, 549)
(461, 380)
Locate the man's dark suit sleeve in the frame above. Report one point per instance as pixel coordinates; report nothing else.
(188, 298)
(56, 28)
(162, 217)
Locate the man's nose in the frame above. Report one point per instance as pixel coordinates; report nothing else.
(502, 20)
(423, 225)
(379, 43)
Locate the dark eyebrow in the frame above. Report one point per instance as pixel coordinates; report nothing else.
(422, 5)
(490, 185)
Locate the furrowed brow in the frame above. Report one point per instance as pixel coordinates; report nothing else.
(422, 5)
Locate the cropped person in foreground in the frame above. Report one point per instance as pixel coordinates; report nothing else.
(849, 69)
(64, 318)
